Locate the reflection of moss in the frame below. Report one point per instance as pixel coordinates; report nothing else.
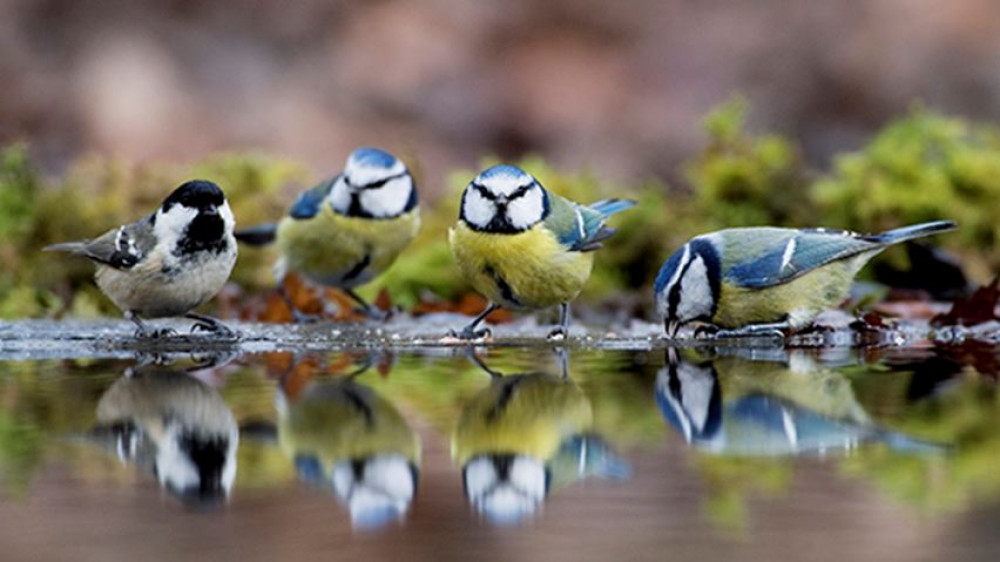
(20, 453)
(731, 481)
(967, 417)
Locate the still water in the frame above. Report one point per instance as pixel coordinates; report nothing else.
(521, 454)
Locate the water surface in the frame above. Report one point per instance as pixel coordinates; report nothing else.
(811, 455)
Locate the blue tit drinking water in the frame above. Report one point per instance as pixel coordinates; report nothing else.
(523, 436)
(347, 230)
(175, 426)
(524, 248)
(169, 262)
(765, 280)
(735, 406)
(345, 437)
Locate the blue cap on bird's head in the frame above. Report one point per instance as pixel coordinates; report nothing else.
(372, 158)
(504, 199)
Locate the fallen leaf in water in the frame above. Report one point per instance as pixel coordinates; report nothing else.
(979, 308)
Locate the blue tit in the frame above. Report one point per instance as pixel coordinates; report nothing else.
(169, 262)
(735, 406)
(175, 426)
(348, 229)
(766, 280)
(346, 438)
(524, 248)
(521, 437)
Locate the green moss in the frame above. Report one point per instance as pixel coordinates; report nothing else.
(923, 167)
(745, 180)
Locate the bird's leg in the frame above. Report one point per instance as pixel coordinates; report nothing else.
(143, 331)
(469, 332)
(209, 324)
(370, 310)
(774, 330)
(561, 332)
(562, 358)
(703, 330)
(479, 363)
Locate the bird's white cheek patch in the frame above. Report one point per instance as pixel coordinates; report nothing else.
(477, 209)
(525, 211)
(340, 196)
(388, 200)
(170, 226)
(227, 217)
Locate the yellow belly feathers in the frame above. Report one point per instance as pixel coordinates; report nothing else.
(530, 269)
(801, 299)
(331, 248)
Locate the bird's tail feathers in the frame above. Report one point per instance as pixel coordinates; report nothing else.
(257, 235)
(611, 206)
(71, 247)
(913, 231)
(906, 444)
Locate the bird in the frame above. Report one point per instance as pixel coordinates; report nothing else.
(169, 262)
(348, 229)
(735, 406)
(525, 248)
(175, 426)
(763, 280)
(346, 438)
(523, 436)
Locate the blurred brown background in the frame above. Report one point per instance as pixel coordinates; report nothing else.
(616, 87)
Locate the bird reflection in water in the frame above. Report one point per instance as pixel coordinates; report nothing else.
(731, 405)
(348, 439)
(174, 425)
(523, 436)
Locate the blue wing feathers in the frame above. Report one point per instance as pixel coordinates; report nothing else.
(791, 253)
(309, 203)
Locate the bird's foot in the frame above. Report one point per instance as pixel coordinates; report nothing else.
(752, 331)
(212, 326)
(557, 334)
(469, 333)
(299, 317)
(377, 314)
(705, 331)
(144, 333)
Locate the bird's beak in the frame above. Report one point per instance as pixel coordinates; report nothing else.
(210, 210)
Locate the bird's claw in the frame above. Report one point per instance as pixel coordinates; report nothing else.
(216, 328)
(147, 334)
(557, 334)
(705, 331)
(377, 314)
(737, 334)
(468, 333)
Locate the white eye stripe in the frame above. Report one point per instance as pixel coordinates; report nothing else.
(685, 258)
